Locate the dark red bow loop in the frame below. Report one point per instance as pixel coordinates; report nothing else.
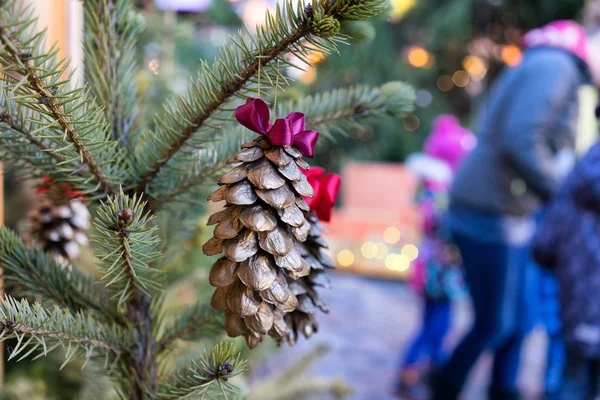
(287, 131)
(326, 188)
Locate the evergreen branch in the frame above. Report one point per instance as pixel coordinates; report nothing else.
(35, 79)
(206, 376)
(199, 320)
(43, 277)
(111, 29)
(35, 327)
(125, 242)
(21, 146)
(210, 100)
(343, 109)
(338, 111)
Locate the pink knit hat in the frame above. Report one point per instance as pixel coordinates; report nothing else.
(448, 141)
(562, 34)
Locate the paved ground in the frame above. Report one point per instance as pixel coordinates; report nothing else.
(368, 330)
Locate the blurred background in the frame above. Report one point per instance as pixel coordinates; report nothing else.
(450, 51)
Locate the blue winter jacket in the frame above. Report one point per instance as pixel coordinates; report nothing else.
(568, 240)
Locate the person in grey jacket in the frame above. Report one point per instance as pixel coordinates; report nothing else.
(528, 121)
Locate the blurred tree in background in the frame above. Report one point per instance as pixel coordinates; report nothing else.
(449, 50)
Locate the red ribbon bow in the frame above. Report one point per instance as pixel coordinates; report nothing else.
(287, 131)
(326, 188)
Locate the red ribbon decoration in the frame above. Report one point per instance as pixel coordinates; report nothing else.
(287, 131)
(326, 188)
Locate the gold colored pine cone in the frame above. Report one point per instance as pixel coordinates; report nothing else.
(302, 320)
(60, 229)
(257, 232)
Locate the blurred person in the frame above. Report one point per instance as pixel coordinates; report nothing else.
(528, 121)
(568, 242)
(437, 276)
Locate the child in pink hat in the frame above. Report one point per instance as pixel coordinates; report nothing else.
(437, 275)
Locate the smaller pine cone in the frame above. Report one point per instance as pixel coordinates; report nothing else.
(302, 320)
(257, 232)
(60, 229)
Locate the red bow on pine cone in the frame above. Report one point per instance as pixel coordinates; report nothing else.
(326, 188)
(287, 131)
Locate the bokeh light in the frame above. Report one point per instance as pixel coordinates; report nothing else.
(254, 12)
(418, 57)
(410, 251)
(475, 66)
(397, 262)
(345, 258)
(511, 54)
(368, 250)
(391, 235)
(400, 8)
(444, 83)
(153, 66)
(381, 251)
(411, 122)
(308, 76)
(460, 78)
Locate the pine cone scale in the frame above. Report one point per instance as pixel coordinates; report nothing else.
(257, 272)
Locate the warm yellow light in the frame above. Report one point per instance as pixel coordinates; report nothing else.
(418, 56)
(460, 78)
(401, 263)
(368, 250)
(410, 251)
(308, 76)
(511, 54)
(315, 56)
(389, 261)
(153, 66)
(381, 251)
(444, 83)
(345, 258)
(391, 235)
(400, 8)
(475, 66)
(397, 262)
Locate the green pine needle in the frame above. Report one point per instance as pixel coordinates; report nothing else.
(44, 278)
(69, 123)
(39, 331)
(207, 376)
(125, 240)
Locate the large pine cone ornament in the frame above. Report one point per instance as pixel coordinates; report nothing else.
(260, 226)
(59, 223)
(302, 320)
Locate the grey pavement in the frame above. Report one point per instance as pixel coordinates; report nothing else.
(368, 330)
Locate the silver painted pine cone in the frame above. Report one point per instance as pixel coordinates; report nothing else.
(302, 319)
(258, 232)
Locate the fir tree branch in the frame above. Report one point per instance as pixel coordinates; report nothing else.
(45, 278)
(208, 375)
(199, 320)
(340, 110)
(111, 29)
(335, 111)
(125, 243)
(35, 79)
(208, 101)
(34, 327)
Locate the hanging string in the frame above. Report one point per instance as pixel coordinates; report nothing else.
(258, 84)
(275, 95)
